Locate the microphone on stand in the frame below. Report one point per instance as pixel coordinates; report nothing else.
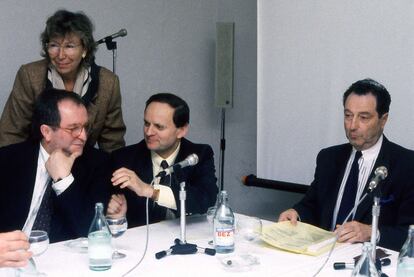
(120, 33)
(189, 161)
(380, 174)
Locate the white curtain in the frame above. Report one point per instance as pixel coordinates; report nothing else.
(309, 53)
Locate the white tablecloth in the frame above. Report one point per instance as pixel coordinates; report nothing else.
(60, 261)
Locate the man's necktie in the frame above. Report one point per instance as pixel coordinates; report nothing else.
(159, 212)
(44, 214)
(350, 190)
(165, 180)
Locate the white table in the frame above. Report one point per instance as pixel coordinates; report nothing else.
(61, 261)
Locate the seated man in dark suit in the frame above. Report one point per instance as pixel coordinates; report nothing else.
(52, 182)
(166, 120)
(343, 171)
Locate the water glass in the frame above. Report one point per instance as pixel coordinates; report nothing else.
(117, 226)
(248, 228)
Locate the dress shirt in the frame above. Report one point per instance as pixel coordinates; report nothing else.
(166, 196)
(41, 181)
(366, 164)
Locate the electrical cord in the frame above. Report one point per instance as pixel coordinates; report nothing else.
(337, 235)
(146, 239)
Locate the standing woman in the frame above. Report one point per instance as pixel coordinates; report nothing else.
(69, 50)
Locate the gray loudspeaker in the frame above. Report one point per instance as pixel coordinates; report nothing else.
(224, 64)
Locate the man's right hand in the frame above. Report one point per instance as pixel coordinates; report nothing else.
(13, 249)
(291, 215)
(59, 165)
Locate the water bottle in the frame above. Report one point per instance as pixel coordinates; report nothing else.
(99, 242)
(223, 226)
(405, 265)
(366, 265)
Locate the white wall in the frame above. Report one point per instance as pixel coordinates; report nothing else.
(309, 53)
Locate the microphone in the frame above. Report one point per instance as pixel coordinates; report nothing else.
(380, 174)
(120, 33)
(189, 161)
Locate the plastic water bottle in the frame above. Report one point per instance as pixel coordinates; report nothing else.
(224, 226)
(99, 242)
(406, 258)
(366, 265)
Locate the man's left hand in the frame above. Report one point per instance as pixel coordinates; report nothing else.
(353, 231)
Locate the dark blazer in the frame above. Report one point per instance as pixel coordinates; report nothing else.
(73, 209)
(200, 179)
(397, 201)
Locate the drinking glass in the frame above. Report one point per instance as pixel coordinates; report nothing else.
(39, 242)
(117, 226)
(210, 217)
(249, 228)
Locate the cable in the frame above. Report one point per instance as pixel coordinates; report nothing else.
(337, 235)
(146, 240)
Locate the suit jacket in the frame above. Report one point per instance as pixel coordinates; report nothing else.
(397, 201)
(73, 209)
(200, 180)
(103, 102)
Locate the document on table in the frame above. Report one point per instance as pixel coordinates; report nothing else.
(300, 238)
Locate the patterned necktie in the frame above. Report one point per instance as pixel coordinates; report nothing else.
(44, 214)
(165, 180)
(351, 188)
(159, 212)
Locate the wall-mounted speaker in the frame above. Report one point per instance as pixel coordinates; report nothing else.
(224, 64)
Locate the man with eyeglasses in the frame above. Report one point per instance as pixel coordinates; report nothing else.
(343, 172)
(53, 181)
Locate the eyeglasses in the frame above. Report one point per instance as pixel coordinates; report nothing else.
(76, 131)
(54, 48)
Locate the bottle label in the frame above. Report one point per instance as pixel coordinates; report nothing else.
(224, 236)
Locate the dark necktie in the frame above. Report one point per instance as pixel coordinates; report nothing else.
(350, 190)
(44, 214)
(165, 180)
(159, 212)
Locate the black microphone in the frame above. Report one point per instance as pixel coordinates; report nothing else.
(189, 161)
(120, 33)
(380, 174)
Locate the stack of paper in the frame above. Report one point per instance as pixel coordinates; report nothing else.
(300, 238)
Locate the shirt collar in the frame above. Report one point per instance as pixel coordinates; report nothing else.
(373, 151)
(157, 159)
(43, 155)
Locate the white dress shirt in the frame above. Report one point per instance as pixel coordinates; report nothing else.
(366, 164)
(41, 182)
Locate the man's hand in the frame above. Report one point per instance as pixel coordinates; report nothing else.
(13, 249)
(117, 206)
(353, 232)
(59, 165)
(126, 178)
(291, 215)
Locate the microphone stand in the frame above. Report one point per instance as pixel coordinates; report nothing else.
(112, 45)
(181, 247)
(376, 208)
(374, 224)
